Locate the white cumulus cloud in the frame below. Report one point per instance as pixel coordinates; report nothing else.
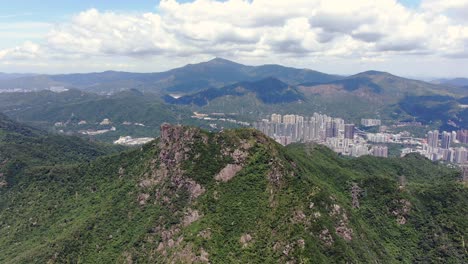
(357, 29)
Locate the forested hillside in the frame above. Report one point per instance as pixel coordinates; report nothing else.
(234, 197)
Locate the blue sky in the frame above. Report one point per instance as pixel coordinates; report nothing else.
(410, 3)
(334, 36)
(57, 10)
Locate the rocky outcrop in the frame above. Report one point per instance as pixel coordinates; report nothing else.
(190, 217)
(277, 172)
(326, 237)
(228, 172)
(174, 146)
(166, 181)
(239, 157)
(245, 240)
(342, 227)
(402, 211)
(142, 198)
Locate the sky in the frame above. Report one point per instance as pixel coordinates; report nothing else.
(414, 38)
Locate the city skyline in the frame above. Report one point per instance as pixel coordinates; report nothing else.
(346, 139)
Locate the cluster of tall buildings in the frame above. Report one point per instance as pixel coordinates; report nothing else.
(380, 151)
(341, 137)
(462, 136)
(438, 147)
(377, 137)
(295, 128)
(333, 132)
(367, 122)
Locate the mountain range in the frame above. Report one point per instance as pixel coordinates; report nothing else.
(190, 78)
(236, 196)
(249, 92)
(10, 76)
(366, 94)
(462, 82)
(218, 73)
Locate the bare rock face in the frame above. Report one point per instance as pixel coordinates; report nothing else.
(342, 228)
(298, 217)
(326, 237)
(245, 239)
(163, 183)
(174, 146)
(204, 256)
(190, 217)
(344, 231)
(402, 211)
(277, 172)
(170, 132)
(239, 156)
(206, 234)
(174, 143)
(142, 198)
(228, 172)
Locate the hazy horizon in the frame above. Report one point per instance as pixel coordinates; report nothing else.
(422, 78)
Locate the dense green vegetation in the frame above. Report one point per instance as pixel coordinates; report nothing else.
(429, 109)
(23, 147)
(268, 91)
(44, 109)
(74, 106)
(164, 202)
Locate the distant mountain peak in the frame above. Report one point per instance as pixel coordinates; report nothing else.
(219, 60)
(373, 72)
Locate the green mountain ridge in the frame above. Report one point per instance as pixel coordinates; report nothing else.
(223, 86)
(23, 147)
(269, 91)
(382, 85)
(367, 94)
(234, 197)
(187, 79)
(45, 108)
